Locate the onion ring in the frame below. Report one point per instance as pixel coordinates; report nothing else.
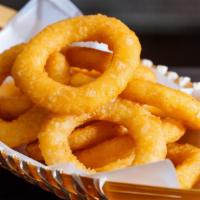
(11, 106)
(173, 103)
(60, 98)
(143, 127)
(24, 129)
(187, 160)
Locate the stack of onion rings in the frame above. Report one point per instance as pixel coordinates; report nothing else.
(101, 111)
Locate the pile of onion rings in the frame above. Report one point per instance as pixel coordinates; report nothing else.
(101, 111)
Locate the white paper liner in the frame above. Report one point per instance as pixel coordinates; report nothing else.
(151, 174)
(33, 17)
(38, 14)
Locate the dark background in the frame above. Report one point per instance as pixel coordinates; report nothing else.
(169, 31)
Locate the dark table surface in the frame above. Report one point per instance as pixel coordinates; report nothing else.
(180, 50)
